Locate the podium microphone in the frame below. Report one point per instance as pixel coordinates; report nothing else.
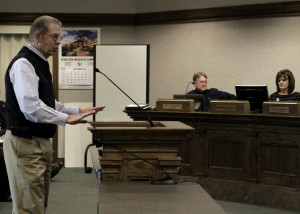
(147, 116)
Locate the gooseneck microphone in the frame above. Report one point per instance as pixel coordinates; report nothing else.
(147, 116)
(168, 179)
(188, 86)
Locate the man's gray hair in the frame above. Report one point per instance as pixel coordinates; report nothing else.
(197, 75)
(41, 24)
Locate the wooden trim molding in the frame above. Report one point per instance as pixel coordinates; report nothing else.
(70, 19)
(221, 13)
(283, 9)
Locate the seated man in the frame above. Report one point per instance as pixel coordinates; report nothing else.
(200, 82)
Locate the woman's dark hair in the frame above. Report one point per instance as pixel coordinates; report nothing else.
(286, 74)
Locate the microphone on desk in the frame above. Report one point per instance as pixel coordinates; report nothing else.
(188, 86)
(164, 181)
(147, 116)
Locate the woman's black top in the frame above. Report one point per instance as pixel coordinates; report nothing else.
(291, 97)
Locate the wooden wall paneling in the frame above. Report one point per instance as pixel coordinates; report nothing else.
(221, 13)
(229, 153)
(70, 19)
(198, 151)
(280, 159)
(252, 148)
(282, 9)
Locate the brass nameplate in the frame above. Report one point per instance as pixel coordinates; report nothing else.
(284, 110)
(230, 106)
(288, 108)
(172, 106)
(178, 105)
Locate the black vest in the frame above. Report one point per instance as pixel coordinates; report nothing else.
(16, 121)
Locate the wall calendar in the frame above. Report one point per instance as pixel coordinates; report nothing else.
(76, 57)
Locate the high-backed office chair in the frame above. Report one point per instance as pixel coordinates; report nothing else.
(4, 185)
(2, 118)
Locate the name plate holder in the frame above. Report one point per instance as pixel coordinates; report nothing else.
(287, 108)
(230, 106)
(176, 105)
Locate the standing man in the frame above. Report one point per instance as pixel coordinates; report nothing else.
(32, 117)
(200, 82)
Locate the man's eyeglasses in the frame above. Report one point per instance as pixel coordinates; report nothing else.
(54, 37)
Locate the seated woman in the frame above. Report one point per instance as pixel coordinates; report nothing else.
(285, 83)
(200, 82)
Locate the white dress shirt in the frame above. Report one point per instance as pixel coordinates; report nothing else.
(25, 82)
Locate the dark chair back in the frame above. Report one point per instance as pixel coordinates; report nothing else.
(2, 117)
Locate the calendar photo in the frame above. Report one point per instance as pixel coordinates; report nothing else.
(76, 57)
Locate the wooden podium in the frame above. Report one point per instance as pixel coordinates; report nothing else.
(126, 144)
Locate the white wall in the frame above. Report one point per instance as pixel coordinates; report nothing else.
(77, 137)
(229, 52)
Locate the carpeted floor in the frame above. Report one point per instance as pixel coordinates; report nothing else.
(71, 192)
(74, 192)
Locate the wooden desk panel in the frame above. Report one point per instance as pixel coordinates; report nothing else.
(253, 148)
(127, 146)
